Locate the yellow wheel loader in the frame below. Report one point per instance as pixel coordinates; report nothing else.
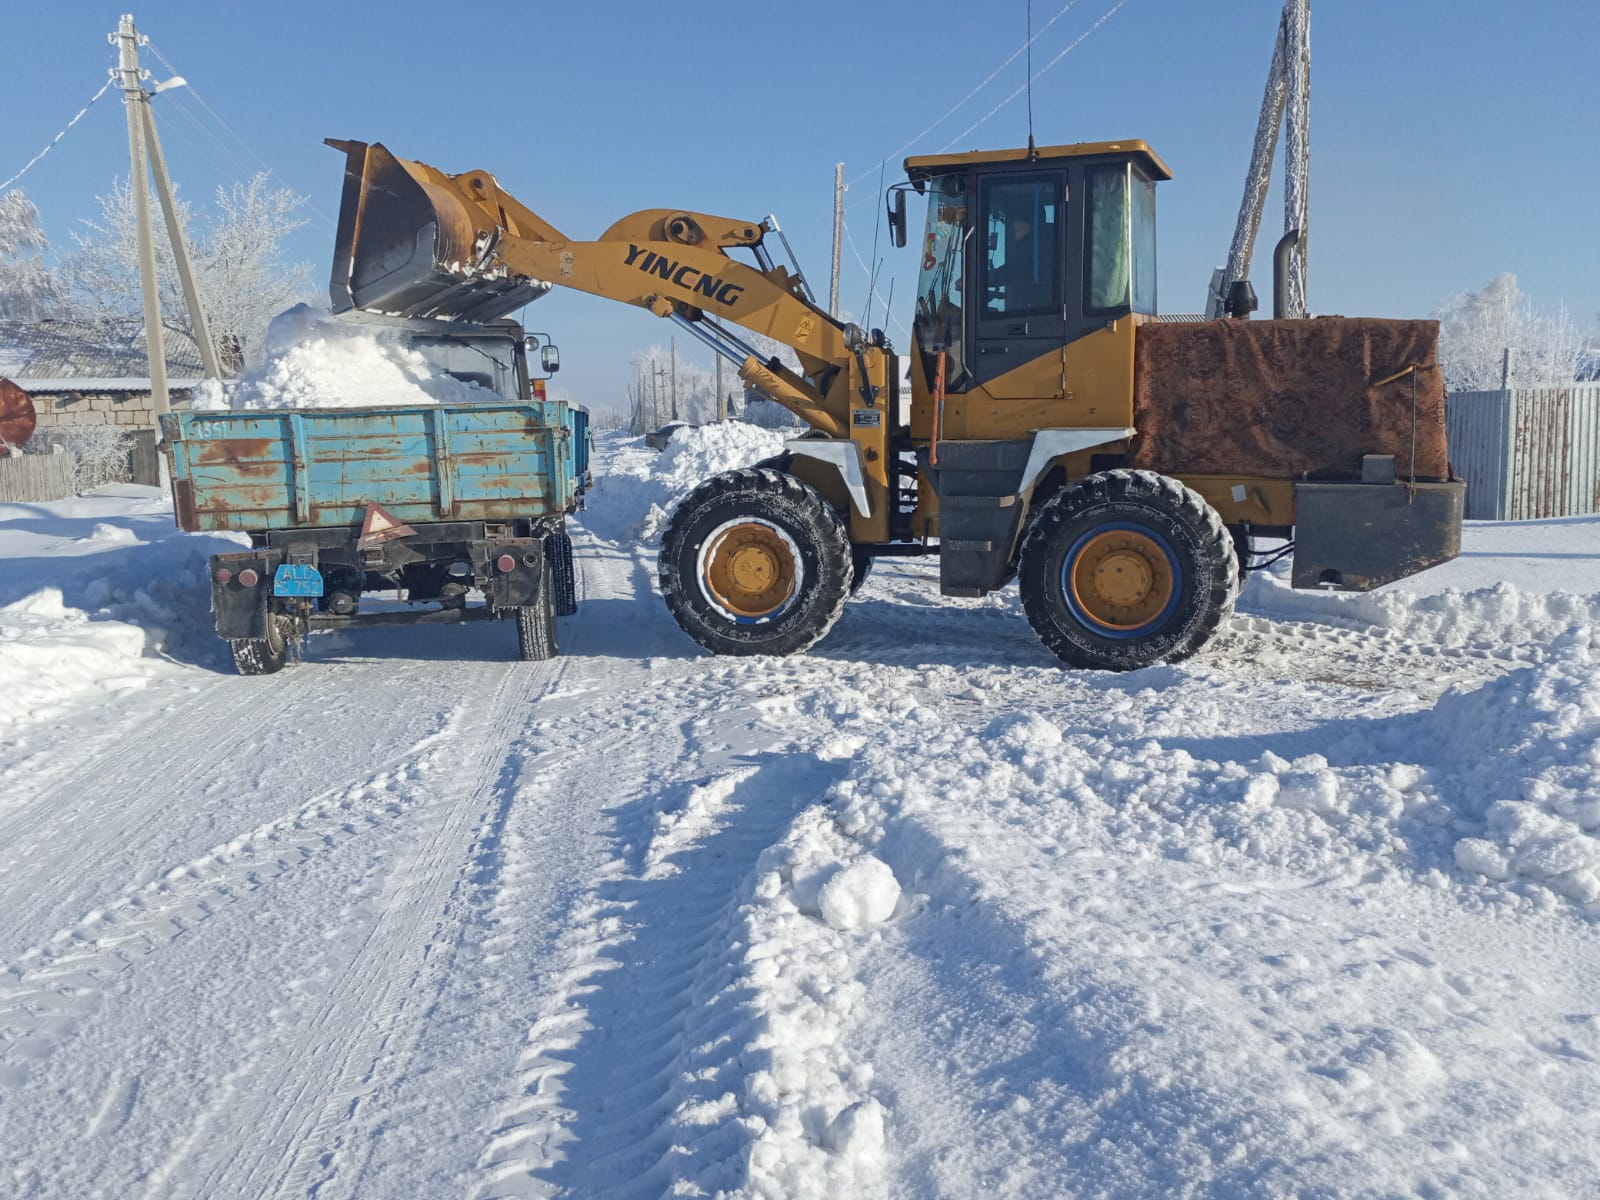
(1059, 431)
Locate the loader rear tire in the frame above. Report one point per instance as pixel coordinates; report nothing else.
(536, 625)
(1125, 569)
(755, 562)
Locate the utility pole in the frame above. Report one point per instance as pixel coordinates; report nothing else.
(135, 99)
(145, 157)
(838, 237)
(655, 405)
(722, 401)
(674, 378)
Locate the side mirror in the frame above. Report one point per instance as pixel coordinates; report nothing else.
(897, 217)
(550, 360)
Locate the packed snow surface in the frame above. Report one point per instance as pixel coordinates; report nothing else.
(917, 914)
(312, 360)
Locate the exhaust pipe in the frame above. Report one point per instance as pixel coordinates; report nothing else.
(1280, 273)
(408, 245)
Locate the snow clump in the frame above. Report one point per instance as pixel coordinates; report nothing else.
(312, 360)
(632, 500)
(864, 893)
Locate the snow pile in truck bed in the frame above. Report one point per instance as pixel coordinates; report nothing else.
(635, 493)
(314, 361)
(96, 589)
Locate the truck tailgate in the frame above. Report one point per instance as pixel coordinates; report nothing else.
(273, 469)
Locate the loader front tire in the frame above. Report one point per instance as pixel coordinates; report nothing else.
(536, 625)
(1125, 569)
(755, 562)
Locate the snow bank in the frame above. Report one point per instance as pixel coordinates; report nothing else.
(1159, 971)
(635, 493)
(92, 605)
(312, 360)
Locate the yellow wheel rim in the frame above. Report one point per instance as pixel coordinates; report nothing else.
(1121, 579)
(750, 569)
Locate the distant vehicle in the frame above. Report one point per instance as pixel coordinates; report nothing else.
(658, 439)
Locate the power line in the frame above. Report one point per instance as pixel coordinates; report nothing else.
(201, 100)
(51, 144)
(988, 79)
(850, 238)
(1080, 40)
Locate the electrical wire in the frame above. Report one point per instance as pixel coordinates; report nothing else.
(1080, 40)
(323, 217)
(51, 144)
(850, 238)
(987, 80)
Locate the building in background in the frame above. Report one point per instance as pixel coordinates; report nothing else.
(80, 373)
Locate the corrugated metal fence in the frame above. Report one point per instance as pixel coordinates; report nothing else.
(35, 478)
(1527, 453)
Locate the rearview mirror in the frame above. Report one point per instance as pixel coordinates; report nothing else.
(550, 360)
(897, 218)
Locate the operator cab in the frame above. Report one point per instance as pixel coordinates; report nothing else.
(1026, 251)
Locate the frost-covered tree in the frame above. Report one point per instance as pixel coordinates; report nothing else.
(28, 291)
(239, 267)
(1477, 331)
(656, 401)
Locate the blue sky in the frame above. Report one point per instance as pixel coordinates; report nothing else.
(1450, 139)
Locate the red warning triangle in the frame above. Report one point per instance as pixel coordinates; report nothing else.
(380, 527)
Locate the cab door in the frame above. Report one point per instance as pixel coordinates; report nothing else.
(1020, 267)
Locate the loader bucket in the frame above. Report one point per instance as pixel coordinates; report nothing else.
(407, 245)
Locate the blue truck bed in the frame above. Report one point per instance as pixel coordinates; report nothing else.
(315, 468)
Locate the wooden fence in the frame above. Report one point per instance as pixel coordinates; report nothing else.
(33, 478)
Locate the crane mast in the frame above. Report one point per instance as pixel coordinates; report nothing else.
(1286, 105)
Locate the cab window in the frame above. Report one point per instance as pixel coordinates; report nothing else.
(1121, 235)
(1021, 261)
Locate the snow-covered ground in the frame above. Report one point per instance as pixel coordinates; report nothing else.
(917, 914)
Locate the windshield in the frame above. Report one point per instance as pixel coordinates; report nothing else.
(938, 319)
(489, 362)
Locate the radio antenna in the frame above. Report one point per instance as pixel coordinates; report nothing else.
(1030, 79)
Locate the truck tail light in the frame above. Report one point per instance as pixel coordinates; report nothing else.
(506, 563)
(248, 577)
(223, 574)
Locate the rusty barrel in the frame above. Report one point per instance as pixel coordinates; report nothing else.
(17, 418)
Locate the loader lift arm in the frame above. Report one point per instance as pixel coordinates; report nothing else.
(417, 242)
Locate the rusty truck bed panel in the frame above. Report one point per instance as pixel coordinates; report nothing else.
(1289, 399)
(257, 470)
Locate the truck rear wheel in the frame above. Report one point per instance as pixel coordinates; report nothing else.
(755, 562)
(558, 560)
(1125, 569)
(536, 625)
(263, 655)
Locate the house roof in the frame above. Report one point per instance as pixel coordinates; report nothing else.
(105, 355)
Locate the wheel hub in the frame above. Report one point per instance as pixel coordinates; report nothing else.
(1121, 579)
(750, 569)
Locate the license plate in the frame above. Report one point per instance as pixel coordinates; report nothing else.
(297, 579)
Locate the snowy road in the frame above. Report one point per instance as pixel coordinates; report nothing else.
(916, 914)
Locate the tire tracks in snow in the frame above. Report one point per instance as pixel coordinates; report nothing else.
(634, 1047)
(167, 788)
(50, 987)
(310, 1106)
(1258, 647)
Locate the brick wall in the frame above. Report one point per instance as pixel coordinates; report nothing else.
(127, 410)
